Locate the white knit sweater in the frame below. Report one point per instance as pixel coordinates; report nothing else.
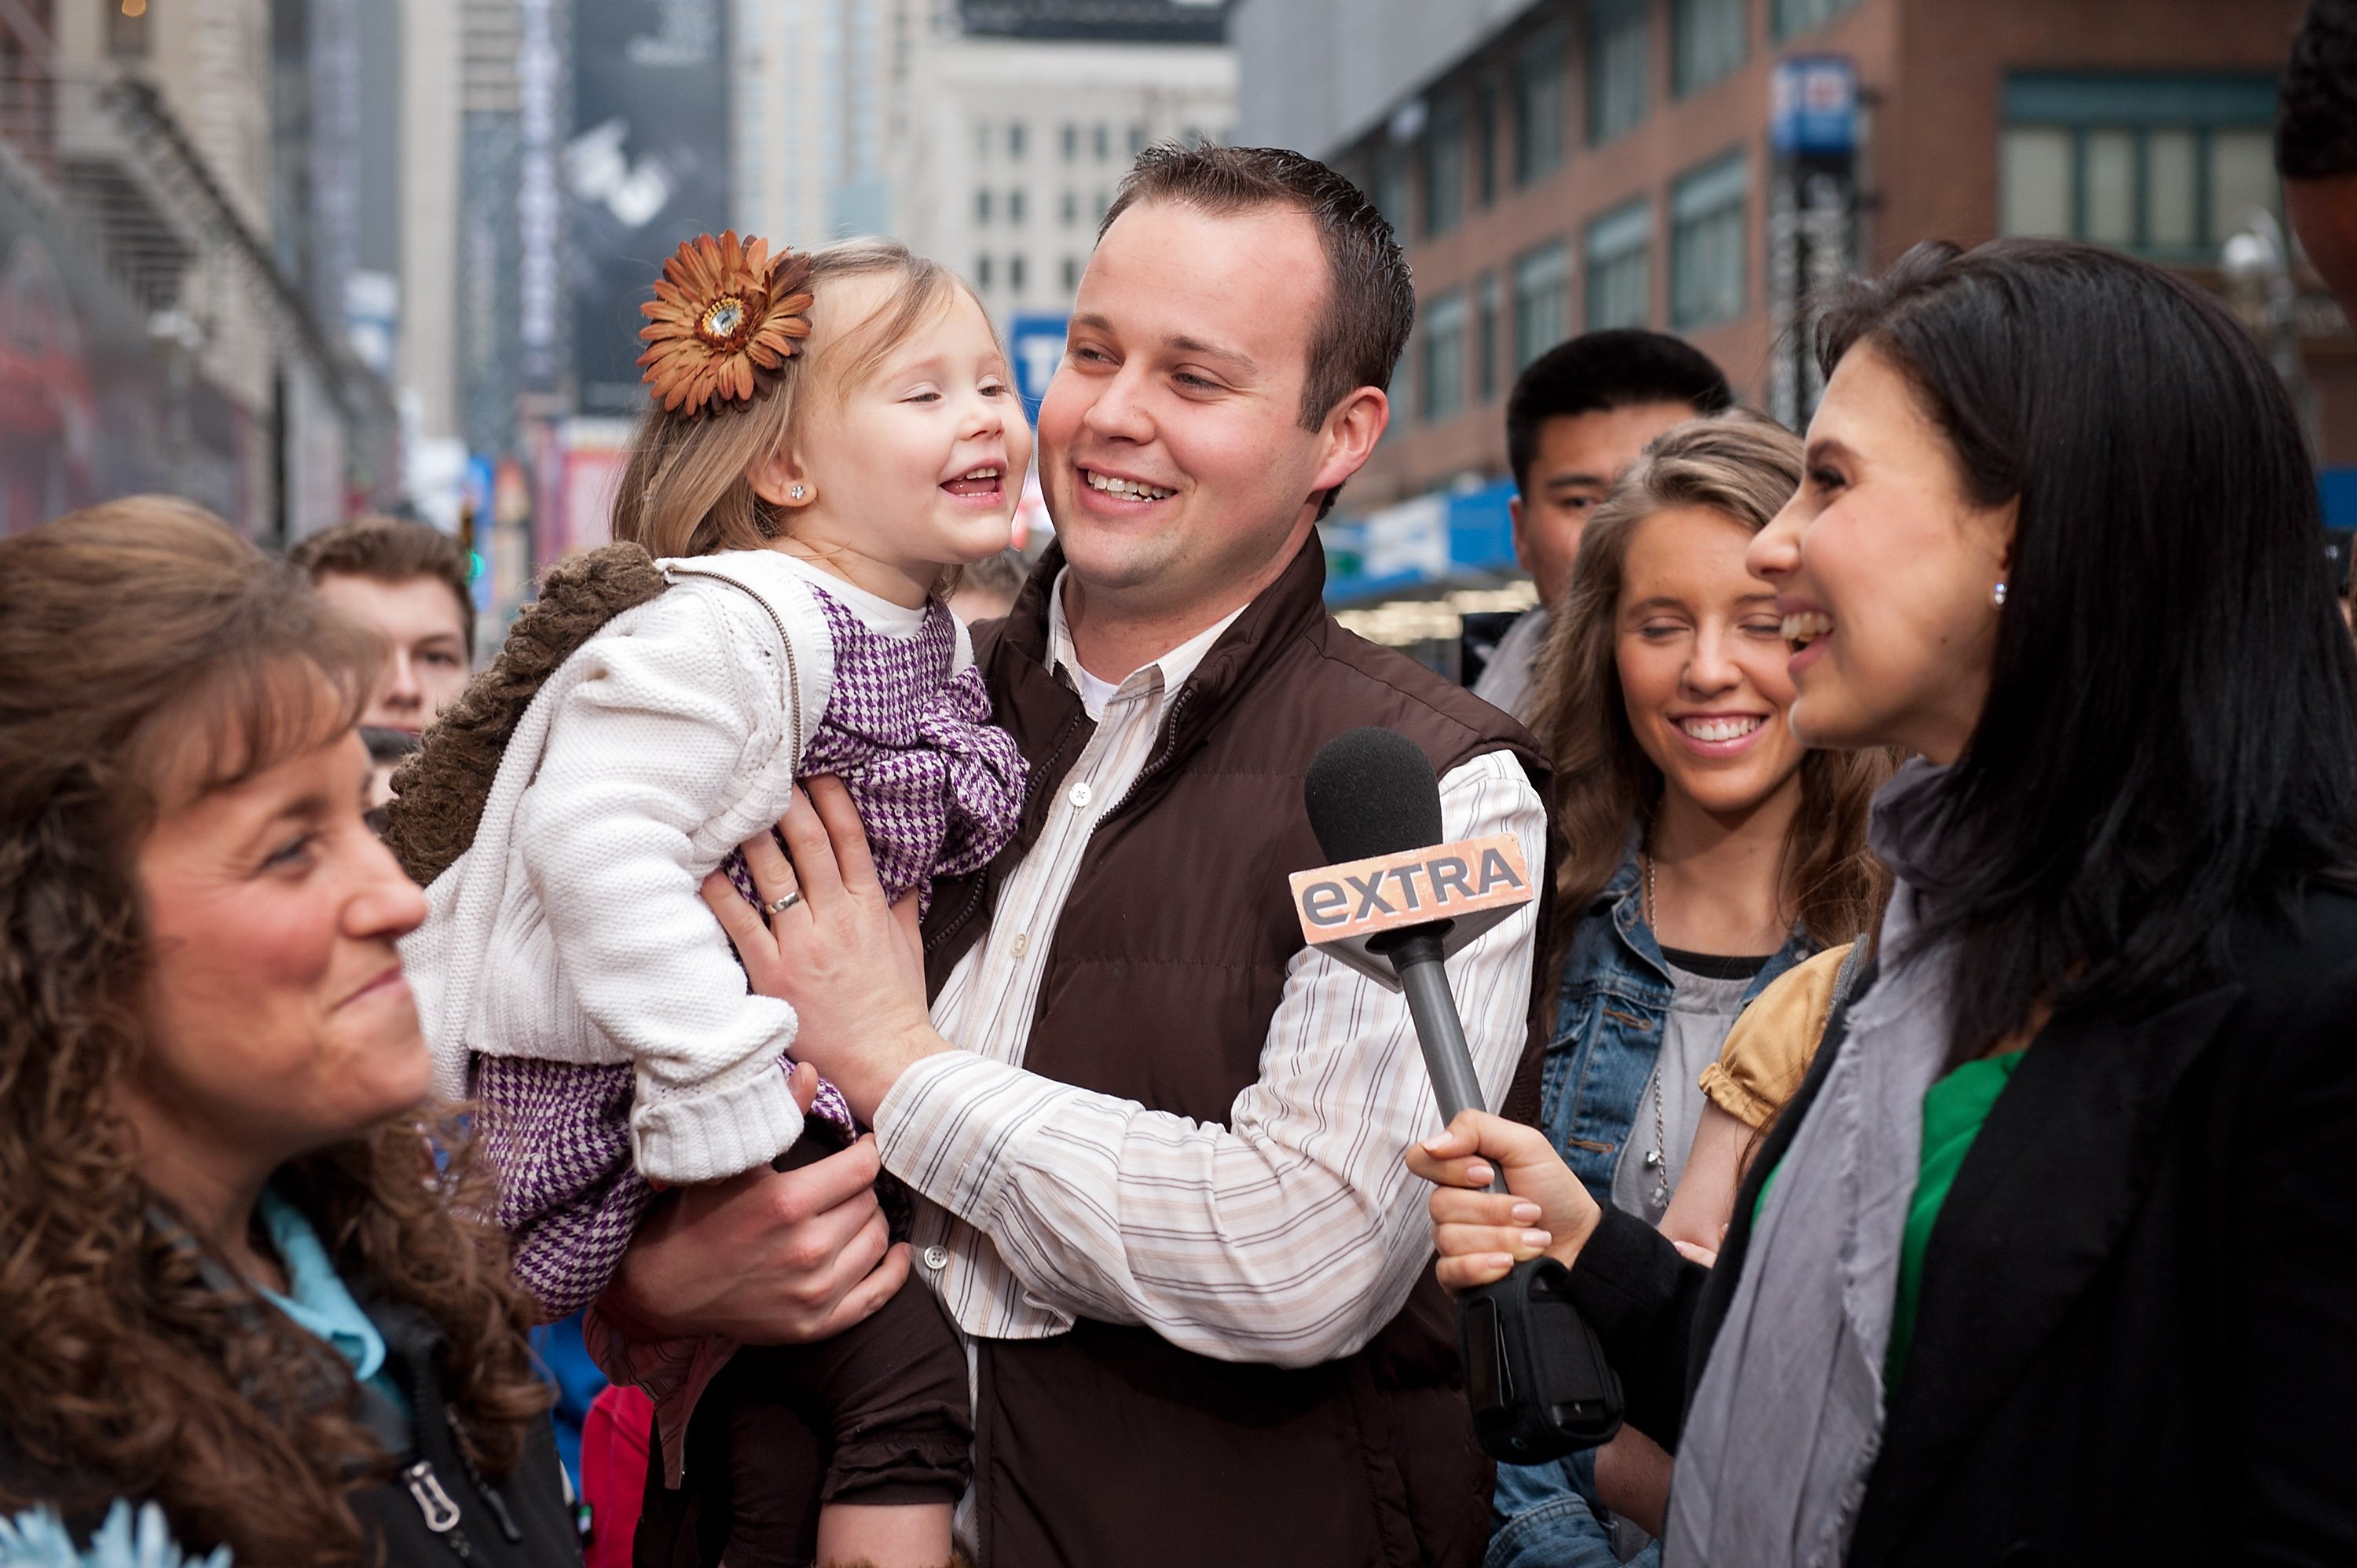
(572, 929)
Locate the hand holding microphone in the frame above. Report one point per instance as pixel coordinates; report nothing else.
(1395, 904)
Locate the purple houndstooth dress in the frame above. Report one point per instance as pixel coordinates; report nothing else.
(938, 789)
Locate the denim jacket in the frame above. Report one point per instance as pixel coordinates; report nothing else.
(1611, 1006)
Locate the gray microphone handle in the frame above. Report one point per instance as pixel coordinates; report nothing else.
(1418, 961)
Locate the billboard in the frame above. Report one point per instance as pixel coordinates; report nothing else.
(1812, 217)
(646, 168)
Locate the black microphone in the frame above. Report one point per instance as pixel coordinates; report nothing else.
(1536, 1374)
(1372, 792)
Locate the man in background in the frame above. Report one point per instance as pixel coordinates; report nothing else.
(2315, 143)
(412, 584)
(1575, 419)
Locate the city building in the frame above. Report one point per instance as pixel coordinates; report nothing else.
(155, 338)
(1022, 117)
(1575, 164)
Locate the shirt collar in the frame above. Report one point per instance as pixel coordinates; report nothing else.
(1163, 675)
(317, 1298)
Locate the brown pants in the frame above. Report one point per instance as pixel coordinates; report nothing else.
(875, 1415)
(880, 1415)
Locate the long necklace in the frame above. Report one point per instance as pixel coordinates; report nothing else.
(1657, 1157)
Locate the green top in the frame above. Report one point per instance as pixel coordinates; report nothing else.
(1954, 1109)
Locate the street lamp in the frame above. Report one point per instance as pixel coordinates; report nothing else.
(2258, 265)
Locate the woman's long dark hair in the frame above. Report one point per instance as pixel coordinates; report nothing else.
(2170, 735)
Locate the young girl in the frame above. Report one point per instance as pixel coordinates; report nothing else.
(834, 432)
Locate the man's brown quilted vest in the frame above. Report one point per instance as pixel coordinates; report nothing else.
(1108, 1445)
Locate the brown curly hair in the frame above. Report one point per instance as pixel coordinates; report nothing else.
(134, 635)
(1746, 467)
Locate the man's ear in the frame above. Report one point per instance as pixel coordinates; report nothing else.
(780, 479)
(1521, 544)
(1351, 429)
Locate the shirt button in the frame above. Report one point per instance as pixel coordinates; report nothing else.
(936, 1257)
(1081, 794)
(1020, 945)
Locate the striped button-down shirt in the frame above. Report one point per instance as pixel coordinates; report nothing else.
(1288, 1235)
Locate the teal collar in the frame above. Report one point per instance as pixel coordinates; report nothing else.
(317, 1300)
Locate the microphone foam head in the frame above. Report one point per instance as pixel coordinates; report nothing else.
(1371, 791)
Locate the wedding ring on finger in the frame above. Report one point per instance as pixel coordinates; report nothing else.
(779, 905)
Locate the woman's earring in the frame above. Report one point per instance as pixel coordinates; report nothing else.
(1996, 595)
(795, 493)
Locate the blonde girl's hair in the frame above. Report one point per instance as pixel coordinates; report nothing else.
(1745, 467)
(685, 491)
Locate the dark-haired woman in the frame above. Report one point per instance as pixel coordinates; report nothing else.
(1709, 852)
(231, 1285)
(2054, 1259)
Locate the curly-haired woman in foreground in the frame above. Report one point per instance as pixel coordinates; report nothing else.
(231, 1283)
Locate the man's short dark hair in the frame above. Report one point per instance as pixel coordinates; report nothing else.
(1597, 371)
(1371, 298)
(392, 550)
(2316, 115)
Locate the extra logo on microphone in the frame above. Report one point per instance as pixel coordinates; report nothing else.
(1473, 885)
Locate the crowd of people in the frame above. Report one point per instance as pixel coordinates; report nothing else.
(890, 1043)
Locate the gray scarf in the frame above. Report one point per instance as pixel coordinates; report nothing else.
(1788, 1418)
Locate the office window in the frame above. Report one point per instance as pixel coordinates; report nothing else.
(1799, 15)
(1539, 105)
(982, 206)
(1485, 144)
(982, 138)
(1707, 42)
(1015, 135)
(1443, 384)
(1103, 137)
(1485, 339)
(1072, 141)
(1444, 168)
(1390, 191)
(1617, 61)
(1014, 207)
(1618, 286)
(982, 271)
(1071, 209)
(1541, 301)
(2168, 167)
(1015, 274)
(1707, 243)
(1072, 274)
(1137, 140)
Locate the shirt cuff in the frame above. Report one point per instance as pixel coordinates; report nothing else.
(955, 1123)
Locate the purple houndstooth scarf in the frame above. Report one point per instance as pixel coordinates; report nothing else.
(939, 788)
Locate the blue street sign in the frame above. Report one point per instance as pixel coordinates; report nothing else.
(1812, 104)
(1037, 345)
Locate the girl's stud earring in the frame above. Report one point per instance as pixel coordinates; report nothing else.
(1996, 595)
(797, 493)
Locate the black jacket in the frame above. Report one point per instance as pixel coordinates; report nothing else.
(2136, 1341)
(436, 1513)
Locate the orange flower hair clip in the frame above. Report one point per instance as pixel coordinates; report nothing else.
(724, 319)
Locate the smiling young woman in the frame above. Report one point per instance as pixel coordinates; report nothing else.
(1708, 850)
(2062, 1219)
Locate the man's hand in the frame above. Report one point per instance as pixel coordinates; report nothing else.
(853, 965)
(766, 1258)
(1481, 1235)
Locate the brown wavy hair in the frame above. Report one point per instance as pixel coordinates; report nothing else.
(134, 636)
(1745, 467)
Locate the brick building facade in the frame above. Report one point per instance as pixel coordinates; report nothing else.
(1587, 163)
